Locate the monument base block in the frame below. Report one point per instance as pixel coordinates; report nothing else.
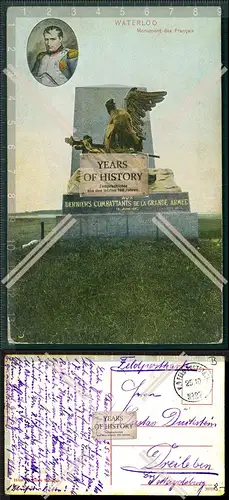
(130, 225)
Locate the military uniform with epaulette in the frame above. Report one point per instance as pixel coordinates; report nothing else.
(55, 68)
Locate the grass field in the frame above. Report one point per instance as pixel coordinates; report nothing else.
(114, 290)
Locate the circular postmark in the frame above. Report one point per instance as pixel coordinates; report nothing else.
(193, 383)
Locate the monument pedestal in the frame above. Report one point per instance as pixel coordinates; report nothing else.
(130, 225)
(128, 216)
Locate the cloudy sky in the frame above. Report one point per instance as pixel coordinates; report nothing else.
(186, 126)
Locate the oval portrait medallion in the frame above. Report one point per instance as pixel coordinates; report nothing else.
(52, 52)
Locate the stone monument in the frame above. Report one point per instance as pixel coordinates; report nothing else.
(114, 188)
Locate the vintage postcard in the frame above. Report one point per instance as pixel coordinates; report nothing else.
(114, 425)
(114, 175)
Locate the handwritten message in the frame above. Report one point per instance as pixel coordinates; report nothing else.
(49, 440)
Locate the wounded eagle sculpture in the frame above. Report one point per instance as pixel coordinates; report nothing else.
(125, 128)
(124, 132)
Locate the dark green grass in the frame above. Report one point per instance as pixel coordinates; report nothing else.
(210, 226)
(21, 231)
(115, 291)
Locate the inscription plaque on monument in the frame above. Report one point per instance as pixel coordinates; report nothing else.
(155, 202)
(102, 174)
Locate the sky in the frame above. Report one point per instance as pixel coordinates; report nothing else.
(186, 127)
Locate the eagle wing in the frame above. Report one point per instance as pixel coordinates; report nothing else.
(138, 102)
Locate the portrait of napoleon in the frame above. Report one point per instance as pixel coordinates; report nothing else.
(55, 65)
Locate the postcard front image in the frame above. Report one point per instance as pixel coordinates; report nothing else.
(114, 175)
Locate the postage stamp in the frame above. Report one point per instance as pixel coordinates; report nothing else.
(114, 167)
